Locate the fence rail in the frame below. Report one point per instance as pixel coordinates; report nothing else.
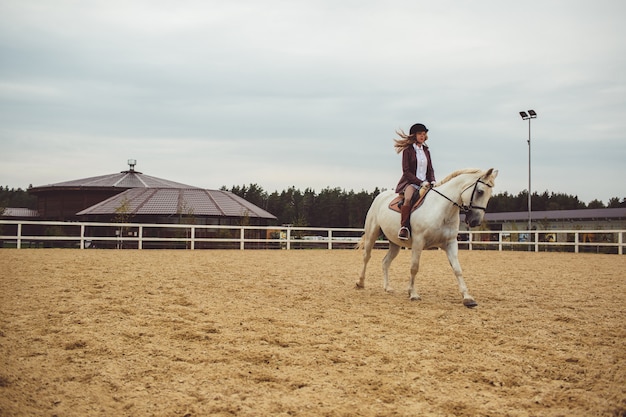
(84, 235)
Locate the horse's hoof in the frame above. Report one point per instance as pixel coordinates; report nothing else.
(469, 303)
(415, 298)
(359, 286)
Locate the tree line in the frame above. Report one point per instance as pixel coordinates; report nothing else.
(336, 207)
(18, 198)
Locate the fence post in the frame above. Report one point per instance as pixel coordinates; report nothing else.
(241, 237)
(82, 236)
(19, 236)
(576, 242)
(288, 237)
(330, 238)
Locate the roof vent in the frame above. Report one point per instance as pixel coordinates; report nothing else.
(131, 164)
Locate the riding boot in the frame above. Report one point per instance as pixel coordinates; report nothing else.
(405, 221)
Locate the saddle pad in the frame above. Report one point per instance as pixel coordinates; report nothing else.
(395, 203)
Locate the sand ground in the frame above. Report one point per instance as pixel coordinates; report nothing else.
(281, 333)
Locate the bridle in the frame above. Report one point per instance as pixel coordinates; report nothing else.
(466, 208)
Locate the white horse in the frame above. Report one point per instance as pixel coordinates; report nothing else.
(434, 224)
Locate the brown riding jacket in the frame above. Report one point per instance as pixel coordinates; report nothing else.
(409, 168)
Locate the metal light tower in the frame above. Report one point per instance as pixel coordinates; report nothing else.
(528, 116)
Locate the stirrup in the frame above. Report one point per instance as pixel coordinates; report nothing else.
(404, 236)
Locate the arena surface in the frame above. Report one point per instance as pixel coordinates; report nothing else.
(285, 333)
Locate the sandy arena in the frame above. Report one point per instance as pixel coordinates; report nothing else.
(285, 333)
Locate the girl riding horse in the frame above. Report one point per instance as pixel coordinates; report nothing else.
(417, 171)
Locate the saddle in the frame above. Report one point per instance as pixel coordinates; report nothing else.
(418, 199)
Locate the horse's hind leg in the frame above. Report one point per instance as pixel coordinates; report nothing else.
(389, 257)
(367, 243)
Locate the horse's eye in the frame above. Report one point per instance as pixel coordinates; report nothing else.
(481, 192)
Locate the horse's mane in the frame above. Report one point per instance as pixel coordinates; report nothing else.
(457, 173)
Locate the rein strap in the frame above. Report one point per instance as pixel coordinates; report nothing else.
(464, 208)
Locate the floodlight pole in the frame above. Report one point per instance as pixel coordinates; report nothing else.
(528, 116)
(529, 192)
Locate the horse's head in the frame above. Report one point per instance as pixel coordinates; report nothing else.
(476, 197)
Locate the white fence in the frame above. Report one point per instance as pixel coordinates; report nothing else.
(84, 235)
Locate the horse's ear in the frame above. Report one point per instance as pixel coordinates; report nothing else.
(491, 174)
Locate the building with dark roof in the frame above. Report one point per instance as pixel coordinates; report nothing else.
(588, 219)
(12, 213)
(137, 197)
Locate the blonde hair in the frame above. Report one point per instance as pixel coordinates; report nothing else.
(404, 142)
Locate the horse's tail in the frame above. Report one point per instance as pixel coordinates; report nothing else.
(371, 223)
(361, 243)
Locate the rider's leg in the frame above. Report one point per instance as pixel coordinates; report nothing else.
(405, 214)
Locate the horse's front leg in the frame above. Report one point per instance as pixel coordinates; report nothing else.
(452, 251)
(390, 256)
(416, 253)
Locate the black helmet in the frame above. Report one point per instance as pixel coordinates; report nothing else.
(416, 128)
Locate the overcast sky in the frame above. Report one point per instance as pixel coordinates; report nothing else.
(309, 93)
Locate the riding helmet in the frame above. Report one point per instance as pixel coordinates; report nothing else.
(416, 128)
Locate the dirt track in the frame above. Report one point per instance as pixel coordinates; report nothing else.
(191, 333)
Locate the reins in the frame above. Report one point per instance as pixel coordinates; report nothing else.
(465, 208)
